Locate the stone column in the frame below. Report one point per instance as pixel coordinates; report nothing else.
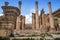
(51, 17)
(39, 22)
(37, 19)
(59, 23)
(6, 3)
(46, 22)
(33, 21)
(18, 23)
(42, 20)
(19, 6)
(23, 22)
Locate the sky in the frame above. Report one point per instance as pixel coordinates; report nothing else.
(28, 6)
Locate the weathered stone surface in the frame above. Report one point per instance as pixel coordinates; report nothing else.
(13, 20)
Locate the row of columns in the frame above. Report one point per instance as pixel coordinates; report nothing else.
(35, 18)
(43, 20)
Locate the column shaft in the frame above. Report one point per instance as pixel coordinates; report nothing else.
(33, 21)
(23, 22)
(18, 23)
(37, 19)
(51, 16)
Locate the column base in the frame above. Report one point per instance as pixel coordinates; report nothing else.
(52, 30)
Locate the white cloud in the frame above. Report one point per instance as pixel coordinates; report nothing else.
(39, 12)
(32, 10)
(28, 19)
(1, 14)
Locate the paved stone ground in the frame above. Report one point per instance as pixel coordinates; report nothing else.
(54, 34)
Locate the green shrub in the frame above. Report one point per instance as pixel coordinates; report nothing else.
(24, 39)
(4, 38)
(41, 39)
(0, 38)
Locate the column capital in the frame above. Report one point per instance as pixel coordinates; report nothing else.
(6, 3)
(42, 11)
(19, 2)
(49, 2)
